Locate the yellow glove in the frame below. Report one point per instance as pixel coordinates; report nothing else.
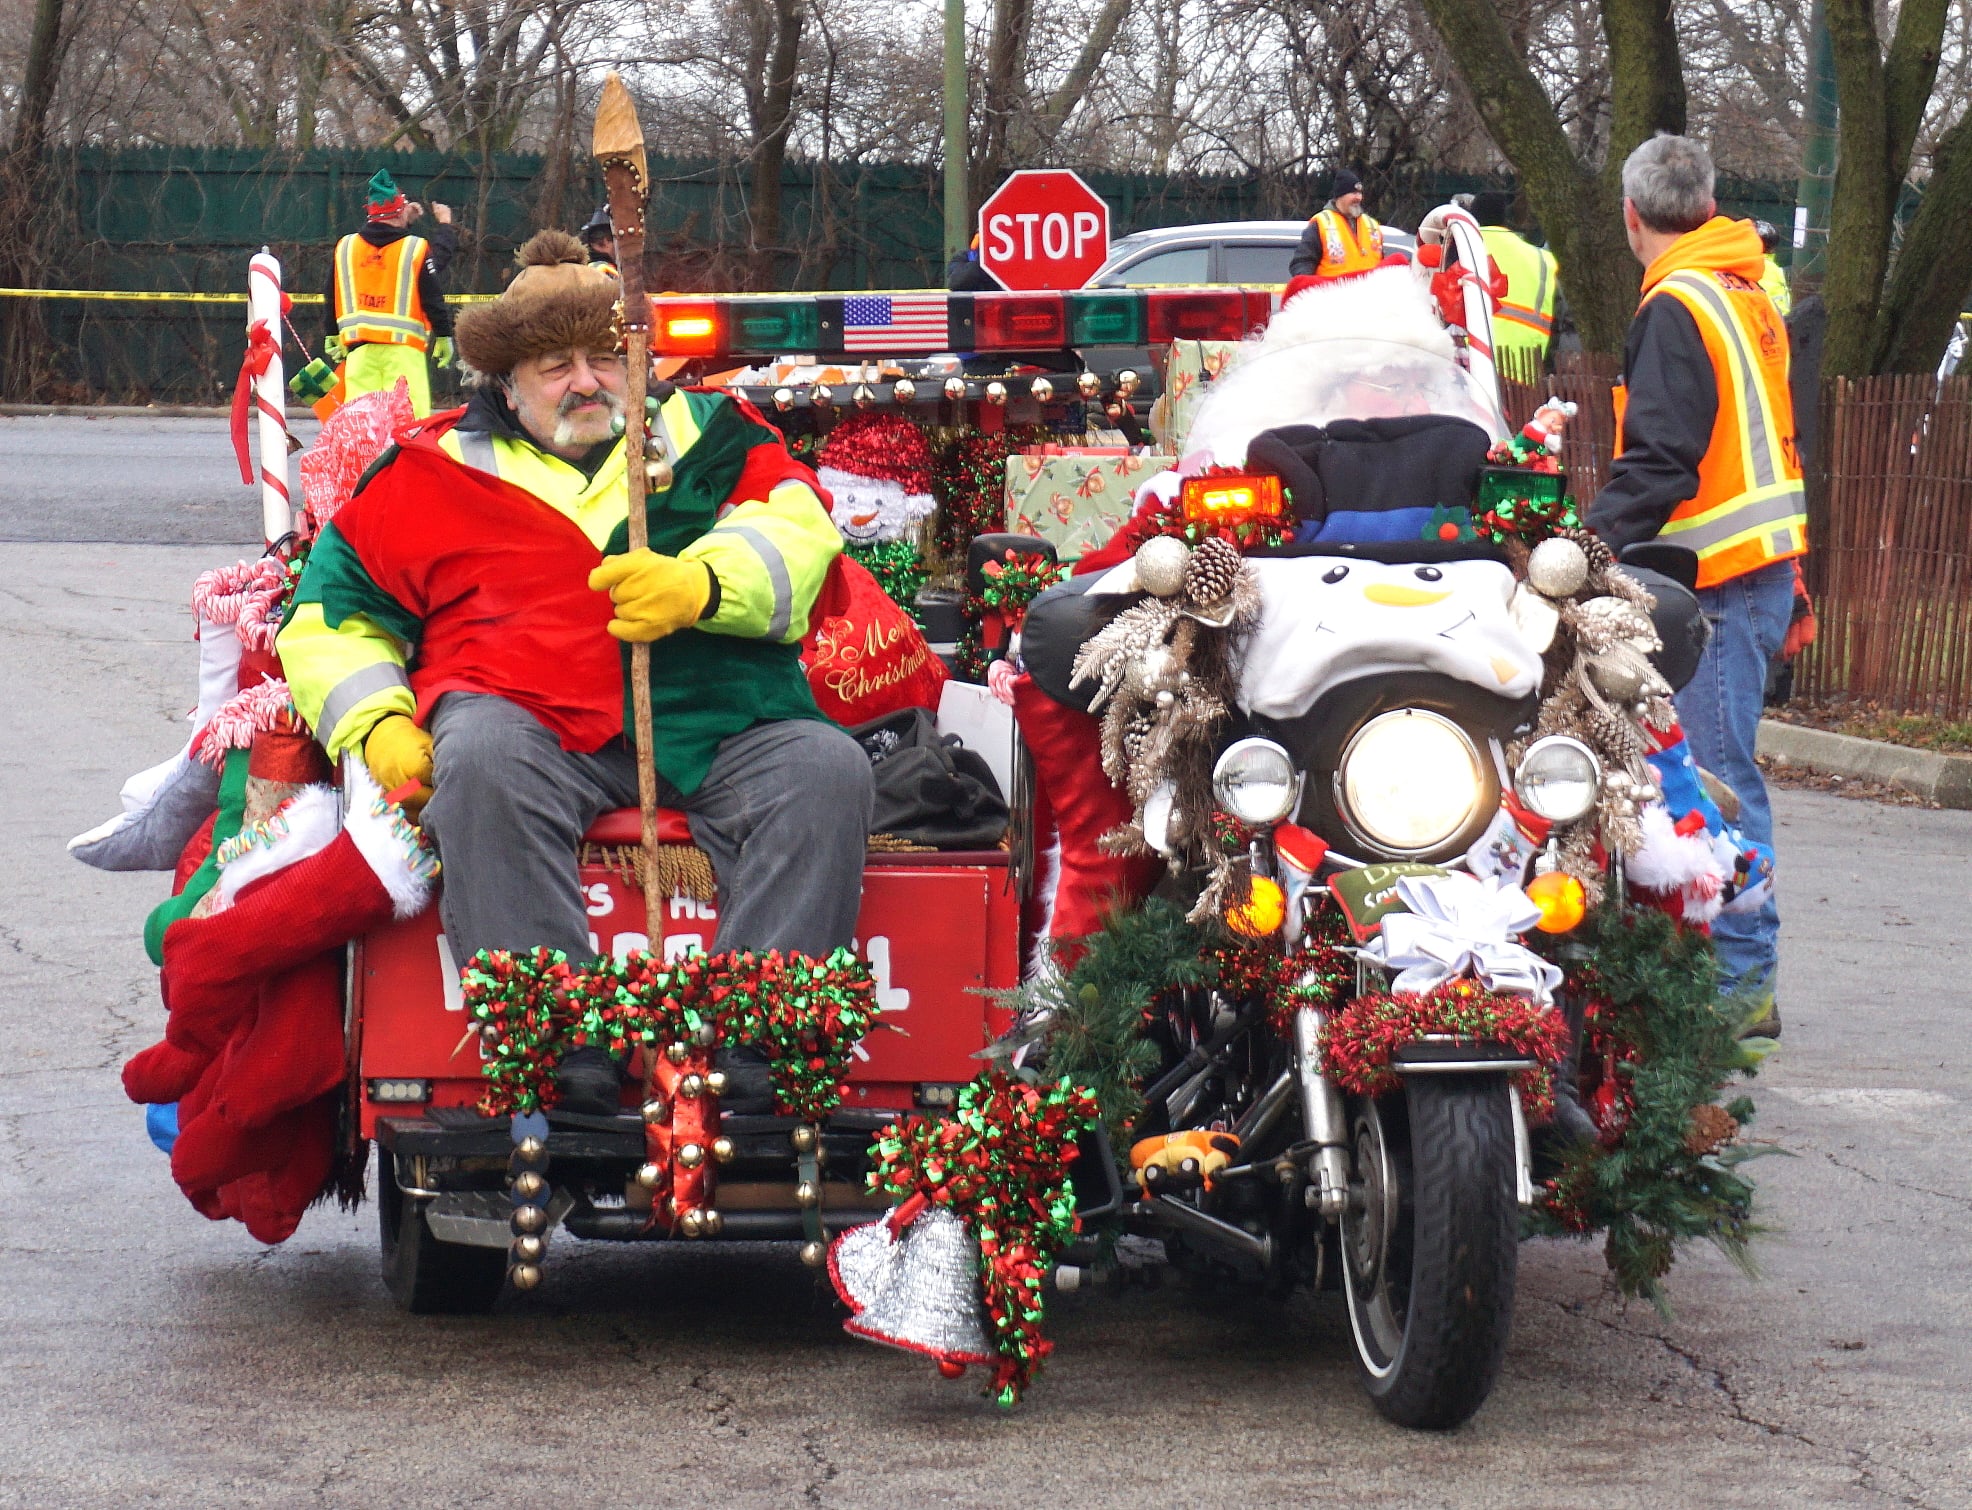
(654, 595)
(441, 352)
(398, 752)
(333, 349)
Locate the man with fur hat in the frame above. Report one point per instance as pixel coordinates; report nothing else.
(454, 627)
(1340, 240)
(384, 307)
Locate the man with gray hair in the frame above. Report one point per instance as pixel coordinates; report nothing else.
(1705, 458)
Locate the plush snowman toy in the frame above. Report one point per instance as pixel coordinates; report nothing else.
(877, 469)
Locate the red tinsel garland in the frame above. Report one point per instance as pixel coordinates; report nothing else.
(1360, 1042)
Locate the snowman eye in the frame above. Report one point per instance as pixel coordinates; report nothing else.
(1428, 574)
(1335, 574)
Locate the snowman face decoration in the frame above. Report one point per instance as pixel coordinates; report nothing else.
(874, 510)
(1325, 619)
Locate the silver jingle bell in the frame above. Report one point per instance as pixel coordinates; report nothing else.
(996, 394)
(1042, 389)
(955, 389)
(903, 391)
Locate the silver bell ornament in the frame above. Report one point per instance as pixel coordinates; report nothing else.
(1127, 382)
(783, 399)
(1088, 385)
(1161, 565)
(996, 394)
(955, 389)
(918, 1290)
(822, 396)
(1558, 568)
(903, 391)
(864, 396)
(1042, 389)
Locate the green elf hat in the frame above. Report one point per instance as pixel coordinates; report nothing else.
(385, 197)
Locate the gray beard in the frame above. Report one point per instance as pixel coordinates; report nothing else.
(564, 425)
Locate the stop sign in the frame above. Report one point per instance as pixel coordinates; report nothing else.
(1043, 228)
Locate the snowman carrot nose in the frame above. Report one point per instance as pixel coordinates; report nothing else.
(1391, 595)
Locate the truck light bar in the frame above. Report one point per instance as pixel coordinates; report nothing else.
(752, 326)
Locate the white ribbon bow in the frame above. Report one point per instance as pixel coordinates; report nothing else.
(1458, 925)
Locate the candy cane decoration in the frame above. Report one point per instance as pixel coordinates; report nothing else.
(264, 309)
(1462, 230)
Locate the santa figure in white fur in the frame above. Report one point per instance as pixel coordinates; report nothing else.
(877, 469)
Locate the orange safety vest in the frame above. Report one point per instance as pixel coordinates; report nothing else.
(1344, 251)
(377, 292)
(1750, 508)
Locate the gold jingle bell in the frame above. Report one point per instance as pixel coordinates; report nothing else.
(528, 1185)
(692, 1223)
(1042, 389)
(1127, 382)
(526, 1276)
(656, 1109)
(722, 1149)
(690, 1156)
(657, 472)
(716, 1083)
(814, 1255)
(807, 1193)
(691, 1087)
(805, 1137)
(677, 1053)
(711, 1223)
(531, 1148)
(650, 1176)
(528, 1249)
(529, 1219)
(1088, 385)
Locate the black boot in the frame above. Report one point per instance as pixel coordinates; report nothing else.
(1571, 1124)
(589, 1081)
(748, 1092)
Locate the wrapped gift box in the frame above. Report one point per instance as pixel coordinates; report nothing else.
(1075, 501)
(1189, 368)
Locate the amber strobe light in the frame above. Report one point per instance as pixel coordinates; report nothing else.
(1231, 497)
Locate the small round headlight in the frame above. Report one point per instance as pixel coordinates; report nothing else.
(1410, 781)
(1255, 782)
(1558, 778)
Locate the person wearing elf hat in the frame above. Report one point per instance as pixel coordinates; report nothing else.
(384, 307)
(1341, 240)
(459, 622)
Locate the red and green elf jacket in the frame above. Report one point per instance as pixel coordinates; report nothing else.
(462, 564)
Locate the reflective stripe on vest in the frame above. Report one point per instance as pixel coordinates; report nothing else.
(1763, 516)
(377, 292)
(1523, 323)
(1343, 250)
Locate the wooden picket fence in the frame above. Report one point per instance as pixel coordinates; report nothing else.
(1889, 527)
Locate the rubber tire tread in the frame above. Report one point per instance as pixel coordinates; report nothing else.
(1466, 1249)
(431, 1278)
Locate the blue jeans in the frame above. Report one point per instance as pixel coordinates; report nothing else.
(1720, 710)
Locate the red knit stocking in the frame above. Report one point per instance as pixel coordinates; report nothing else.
(211, 1152)
(271, 1203)
(1065, 744)
(213, 965)
(293, 1051)
(163, 1073)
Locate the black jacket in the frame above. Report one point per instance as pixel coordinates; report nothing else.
(1667, 428)
(444, 241)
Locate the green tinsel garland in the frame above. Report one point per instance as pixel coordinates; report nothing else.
(898, 568)
(1661, 1176)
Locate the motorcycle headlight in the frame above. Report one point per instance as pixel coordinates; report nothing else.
(1558, 778)
(1409, 781)
(1255, 782)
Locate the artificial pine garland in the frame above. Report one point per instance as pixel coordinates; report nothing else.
(1660, 1050)
(808, 1015)
(1000, 1163)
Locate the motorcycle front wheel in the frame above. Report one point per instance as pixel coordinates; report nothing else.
(1430, 1246)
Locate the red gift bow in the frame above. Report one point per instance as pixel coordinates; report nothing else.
(262, 347)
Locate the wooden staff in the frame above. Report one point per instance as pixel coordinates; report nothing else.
(618, 147)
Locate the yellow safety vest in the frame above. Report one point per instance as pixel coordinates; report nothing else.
(376, 291)
(1774, 281)
(1348, 248)
(1526, 314)
(1750, 508)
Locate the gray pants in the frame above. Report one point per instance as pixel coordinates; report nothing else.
(783, 814)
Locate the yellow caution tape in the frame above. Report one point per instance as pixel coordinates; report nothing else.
(129, 295)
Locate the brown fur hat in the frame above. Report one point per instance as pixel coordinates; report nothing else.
(556, 301)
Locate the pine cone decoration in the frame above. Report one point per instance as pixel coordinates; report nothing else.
(1212, 571)
(1711, 1128)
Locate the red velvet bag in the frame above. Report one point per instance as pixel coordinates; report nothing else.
(865, 656)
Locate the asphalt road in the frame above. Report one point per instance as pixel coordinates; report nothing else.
(151, 1358)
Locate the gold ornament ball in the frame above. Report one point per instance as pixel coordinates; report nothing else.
(996, 393)
(1561, 898)
(711, 1222)
(1042, 389)
(656, 1110)
(650, 1176)
(529, 1249)
(1088, 385)
(531, 1148)
(528, 1185)
(1263, 911)
(691, 1087)
(904, 391)
(814, 1255)
(690, 1156)
(1127, 382)
(716, 1083)
(692, 1223)
(722, 1149)
(823, 396)
(807, 1193)
(783, 399)
(955, 389)
(529, 1219)
(526, 1276)
(677, 1053)
(805, 1138)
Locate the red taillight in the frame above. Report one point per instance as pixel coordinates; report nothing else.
(1232, 497)
(685, 328)
(1019, 322)
(1197, 315)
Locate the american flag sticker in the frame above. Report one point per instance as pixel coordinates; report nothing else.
(894, 322)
